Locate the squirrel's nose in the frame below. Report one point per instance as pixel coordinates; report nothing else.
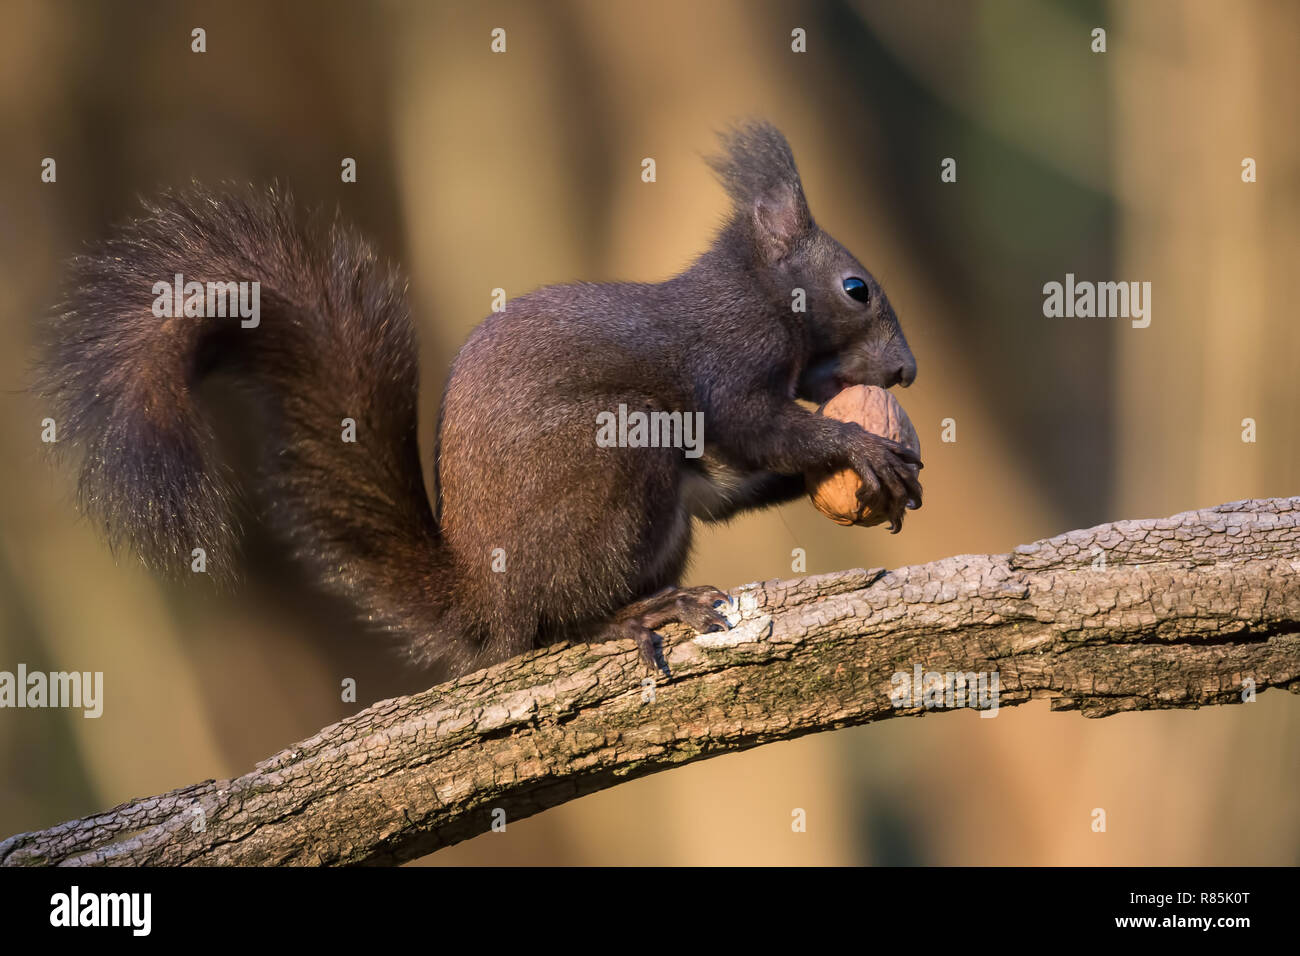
(904, 375)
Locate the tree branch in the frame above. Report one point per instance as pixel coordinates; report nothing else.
(1134, 615)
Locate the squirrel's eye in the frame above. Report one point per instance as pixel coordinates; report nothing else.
(857, 289)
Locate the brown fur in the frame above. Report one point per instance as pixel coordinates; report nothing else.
(585, 530)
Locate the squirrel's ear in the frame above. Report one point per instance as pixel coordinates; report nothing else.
(758, 171)
(780, 218)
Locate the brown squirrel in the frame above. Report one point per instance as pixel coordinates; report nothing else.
(594, 539)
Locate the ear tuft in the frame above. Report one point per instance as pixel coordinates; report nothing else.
(757, 169)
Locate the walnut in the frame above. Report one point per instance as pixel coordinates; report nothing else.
(835, 494)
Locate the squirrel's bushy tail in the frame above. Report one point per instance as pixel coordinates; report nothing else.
(333, 342)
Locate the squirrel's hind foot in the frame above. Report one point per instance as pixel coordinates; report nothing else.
(695, 607)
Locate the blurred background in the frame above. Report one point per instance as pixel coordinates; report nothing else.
(478, 170)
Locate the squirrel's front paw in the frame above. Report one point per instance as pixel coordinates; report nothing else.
(887, 470)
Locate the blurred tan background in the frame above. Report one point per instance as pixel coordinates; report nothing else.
(479, 170)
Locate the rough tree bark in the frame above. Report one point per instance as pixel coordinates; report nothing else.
(1184, 611)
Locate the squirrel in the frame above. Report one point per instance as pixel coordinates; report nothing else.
(594, 539)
